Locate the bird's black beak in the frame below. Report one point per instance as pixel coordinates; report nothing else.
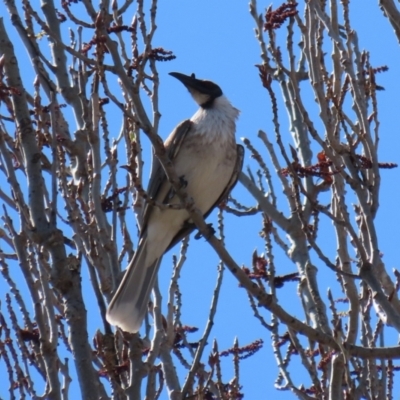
(201, 86)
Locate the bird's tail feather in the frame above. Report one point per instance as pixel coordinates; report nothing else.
(129, 305)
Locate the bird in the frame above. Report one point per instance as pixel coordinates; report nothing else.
(208, 161)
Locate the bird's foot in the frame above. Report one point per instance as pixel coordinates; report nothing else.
(183, 181)
(210, 232)
(183, 184)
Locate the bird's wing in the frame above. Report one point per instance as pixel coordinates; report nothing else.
(159, 187)
(234, 178)
(189, 227)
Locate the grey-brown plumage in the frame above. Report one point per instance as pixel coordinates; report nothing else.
(204, 153)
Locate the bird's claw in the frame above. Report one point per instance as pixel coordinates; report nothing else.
(183, 181)
(210, 232)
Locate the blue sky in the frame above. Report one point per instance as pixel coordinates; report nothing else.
(215, 40)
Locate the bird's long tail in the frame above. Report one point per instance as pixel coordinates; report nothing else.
(129, 305)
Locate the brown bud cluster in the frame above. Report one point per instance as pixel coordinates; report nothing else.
(275, 19)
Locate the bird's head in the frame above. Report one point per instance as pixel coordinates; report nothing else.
(204, 92)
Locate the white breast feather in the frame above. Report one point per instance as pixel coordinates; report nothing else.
(219, 120)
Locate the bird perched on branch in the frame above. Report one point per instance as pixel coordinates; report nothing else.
(206, 157)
